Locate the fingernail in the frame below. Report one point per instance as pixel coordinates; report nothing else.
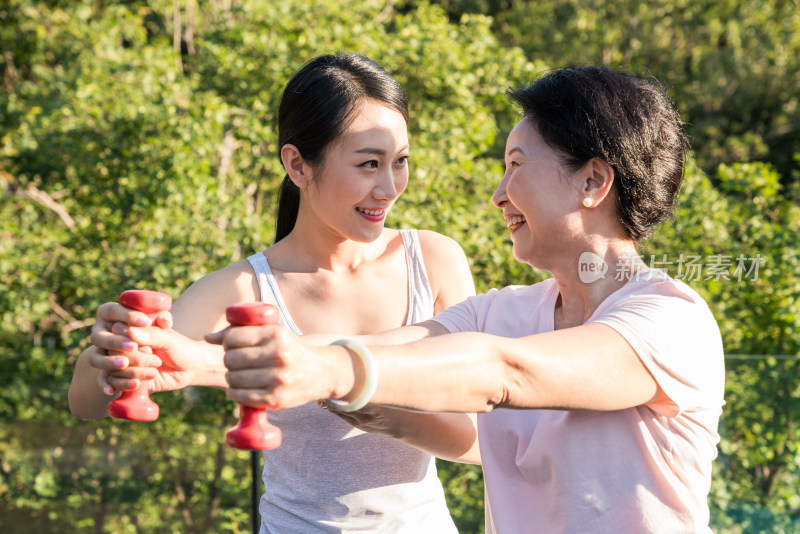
(128, 346)
(108, 390)
(119, 363)
(141, 321)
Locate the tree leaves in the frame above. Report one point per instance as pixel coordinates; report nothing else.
(138, 149)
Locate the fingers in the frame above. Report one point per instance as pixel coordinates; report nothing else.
(344, 416)
(112, 336)
(252, 397)
(152, 337)
(255, 378)
(115, 361)
(121, 384)
(111, 331)
(215, 338)
(111, 384)
(248, 336)
(267, 365)
(112, 312)
(163, 320)
(102, 381)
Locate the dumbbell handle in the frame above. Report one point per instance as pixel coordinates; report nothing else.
(254, 431)
(135, 405)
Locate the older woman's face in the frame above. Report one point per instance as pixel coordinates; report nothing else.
(539, 198)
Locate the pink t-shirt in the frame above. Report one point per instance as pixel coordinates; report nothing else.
(643, 469)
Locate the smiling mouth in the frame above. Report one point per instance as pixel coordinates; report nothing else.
(515, 222)
(372, 213)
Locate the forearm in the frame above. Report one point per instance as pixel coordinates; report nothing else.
(212, 376)
(396, 336)
(449, 436)
(86, 399)
(461, 373)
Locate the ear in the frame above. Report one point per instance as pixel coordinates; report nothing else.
(296, 167)
(598, 178)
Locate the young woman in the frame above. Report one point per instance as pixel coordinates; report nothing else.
(334, 267)
(615, 372)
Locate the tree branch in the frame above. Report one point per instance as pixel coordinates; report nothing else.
(37, 195)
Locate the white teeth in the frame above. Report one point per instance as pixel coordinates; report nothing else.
(374, 213)
(513, 222)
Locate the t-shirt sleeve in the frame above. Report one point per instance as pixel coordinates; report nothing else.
(677, 339)
(468, 315)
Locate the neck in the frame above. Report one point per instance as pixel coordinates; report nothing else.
(309, 249)
(589, 277)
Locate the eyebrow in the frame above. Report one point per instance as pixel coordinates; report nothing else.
(514, 149)
(376, 151)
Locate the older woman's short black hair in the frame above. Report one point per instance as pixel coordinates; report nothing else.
(627, 121)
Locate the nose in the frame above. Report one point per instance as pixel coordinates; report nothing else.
(386, 187)
(499, 197)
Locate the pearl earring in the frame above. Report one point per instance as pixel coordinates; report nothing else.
(587, 202)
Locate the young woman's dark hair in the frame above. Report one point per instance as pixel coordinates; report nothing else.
(626, 121)
(316, 108)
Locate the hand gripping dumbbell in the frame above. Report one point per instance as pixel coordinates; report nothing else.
(136, 405)
(254, 431)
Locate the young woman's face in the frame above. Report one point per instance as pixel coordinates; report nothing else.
(363, 174)
(539, 198)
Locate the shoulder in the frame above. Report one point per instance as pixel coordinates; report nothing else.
(219, 289)
(234, 279)
(443, 255)
(675, 335)
(530, 297)
(661, 292)
(434, 244)
(658, 307)
(447, 267)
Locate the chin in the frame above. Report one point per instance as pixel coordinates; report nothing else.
(519, 252)
(527, 257)
(366, 237)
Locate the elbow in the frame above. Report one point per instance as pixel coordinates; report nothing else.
(498, 398)
(505, 379)
(81, 411)
(499, 393)
(78, 412)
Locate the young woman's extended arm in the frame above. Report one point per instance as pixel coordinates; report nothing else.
(115, 363)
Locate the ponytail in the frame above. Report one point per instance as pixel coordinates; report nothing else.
(288, 205)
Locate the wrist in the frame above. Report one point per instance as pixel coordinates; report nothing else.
(212, 380)
(212, 359)
(341, 373)
(364, 371)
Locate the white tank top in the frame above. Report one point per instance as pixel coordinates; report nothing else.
(328, 477)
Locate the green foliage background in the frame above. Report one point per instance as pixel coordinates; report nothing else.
(138, 149)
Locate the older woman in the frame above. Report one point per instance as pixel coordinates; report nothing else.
(615, 371)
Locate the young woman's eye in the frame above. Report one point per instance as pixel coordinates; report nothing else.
(403, 160)
(371, 164)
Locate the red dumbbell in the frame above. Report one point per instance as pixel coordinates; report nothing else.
(136, 405)
(254, 431)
